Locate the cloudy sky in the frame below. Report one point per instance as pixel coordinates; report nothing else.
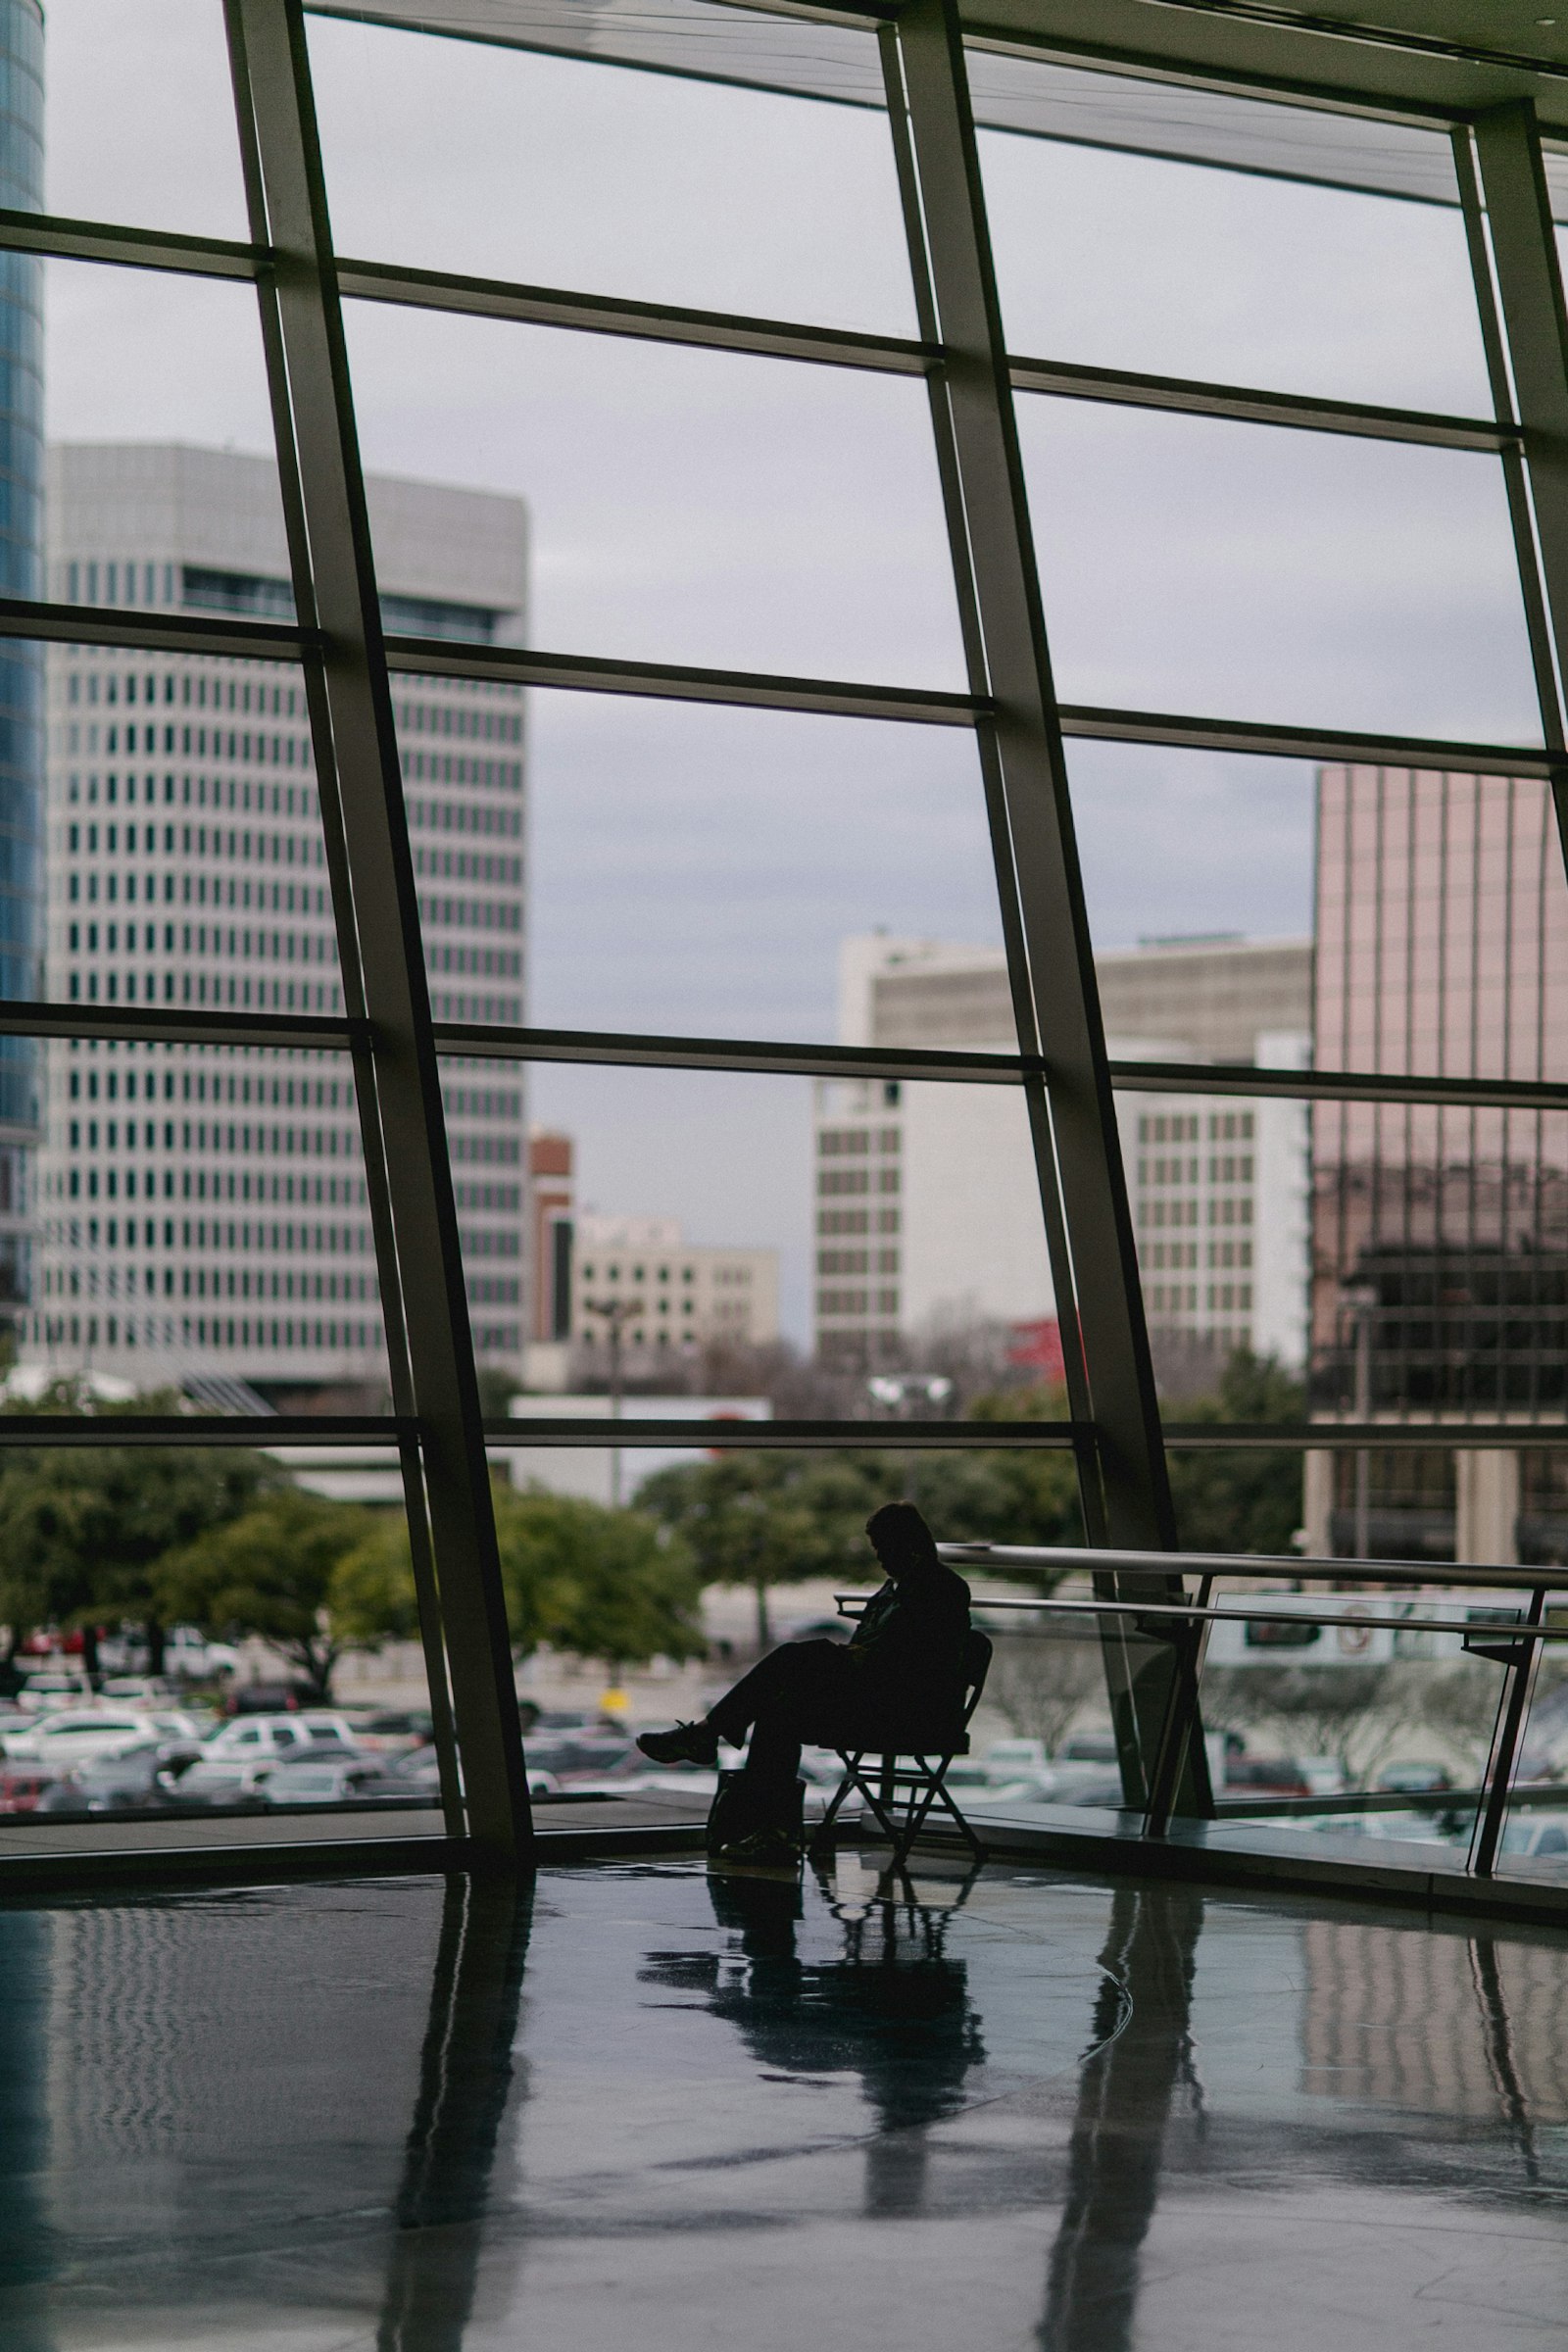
(694, 869)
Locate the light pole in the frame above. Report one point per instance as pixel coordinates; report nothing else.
(1360, 1300)
(618, 1314)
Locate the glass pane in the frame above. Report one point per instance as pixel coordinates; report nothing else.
(1221, 1193)
(1195, 851)
(139, 120)
(188, 861)
(1440, 1261)
(1388, 1703)
(204, 1633)
(787, 1238)
(686, 505)
(558, 172)
(202, 1225)
(1179, 267)
(1238, 571)
(154, 385)
(678, 880)
(1442, 924)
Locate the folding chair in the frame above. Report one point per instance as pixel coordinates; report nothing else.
(918, 1776)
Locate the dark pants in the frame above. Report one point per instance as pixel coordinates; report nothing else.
(805, 1691)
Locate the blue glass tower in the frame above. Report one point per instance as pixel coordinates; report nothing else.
(22, 676)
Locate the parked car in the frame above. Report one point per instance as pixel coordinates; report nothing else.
(189, 1655)
(228, 1780)
(1017, 1755)
(583, 1756)
(1105, 1792)
(1535, 1837)
(52, 1686)
(23, 1785)
(333, 1781)
(1265, 1776)
(1415, 1779)
(392, 1731)
(268, 1698)
(137, 1779)
(79, 1735)
(279, 1736)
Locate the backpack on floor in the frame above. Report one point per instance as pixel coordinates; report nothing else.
(772, 1812)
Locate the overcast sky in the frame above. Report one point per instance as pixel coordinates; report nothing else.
(694, 869)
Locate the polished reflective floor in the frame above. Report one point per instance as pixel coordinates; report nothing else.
(659, 2109)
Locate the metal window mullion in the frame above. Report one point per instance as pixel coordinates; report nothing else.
(379, 925)
(971, 625)
(378, 1193)
(1516, 482)
(991, 535)
(1522, 294)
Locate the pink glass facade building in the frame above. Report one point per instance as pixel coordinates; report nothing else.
(1442, 950)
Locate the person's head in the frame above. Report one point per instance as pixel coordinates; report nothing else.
(900, 1539)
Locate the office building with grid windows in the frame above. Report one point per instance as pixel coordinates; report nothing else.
(926, 1203)
(203, 1214)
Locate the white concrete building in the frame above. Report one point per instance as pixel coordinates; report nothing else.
(927, 1209)
(203, 1213)
(681, 1293)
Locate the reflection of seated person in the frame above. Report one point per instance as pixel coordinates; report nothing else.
(898, 1683)
(894, 2012)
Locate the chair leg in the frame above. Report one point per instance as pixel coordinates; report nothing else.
(820, 1836)
(942, 1791)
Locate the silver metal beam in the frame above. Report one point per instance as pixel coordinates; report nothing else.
(150, 1025)
(1036, 855)
(131, 248)
(379, 927)
(1178, 732)
(667, 681)
(1186, 396)
(647, 322)
(1521, 306)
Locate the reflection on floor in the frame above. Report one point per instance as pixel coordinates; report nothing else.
(661, 2108)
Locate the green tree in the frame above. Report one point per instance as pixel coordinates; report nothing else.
(269, 1573)
(604, 1584)
(1242, 1501)
(774, 1518)
(83, 1529)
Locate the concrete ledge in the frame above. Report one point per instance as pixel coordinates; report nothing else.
(1380, 1870)
(67, 1856)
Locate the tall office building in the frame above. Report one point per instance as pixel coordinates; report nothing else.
(927, 1210)
(203, 1210)
(1440, 1281)
(20, 664)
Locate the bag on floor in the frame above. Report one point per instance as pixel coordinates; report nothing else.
(746, 1811)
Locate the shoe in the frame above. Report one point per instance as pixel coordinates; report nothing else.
(776, 1848)
(687, 1743)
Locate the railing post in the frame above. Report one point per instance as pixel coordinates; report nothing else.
(1518, 1658)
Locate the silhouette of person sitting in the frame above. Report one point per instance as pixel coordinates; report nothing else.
(898, 1682)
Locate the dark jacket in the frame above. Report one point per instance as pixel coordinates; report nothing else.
(911, 1640)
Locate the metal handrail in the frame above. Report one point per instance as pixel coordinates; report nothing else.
(1066, 1559)
(1513, 1640)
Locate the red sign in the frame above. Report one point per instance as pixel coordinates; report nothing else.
(1038, 1347)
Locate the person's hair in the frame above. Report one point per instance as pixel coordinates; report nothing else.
(899, 1527)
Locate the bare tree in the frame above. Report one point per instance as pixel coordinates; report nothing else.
(1041, 1677)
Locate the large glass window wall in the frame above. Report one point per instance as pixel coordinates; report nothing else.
(750, 587)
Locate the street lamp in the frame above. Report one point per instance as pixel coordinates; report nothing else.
(1359, 1299)
(897, 1389)
(618, 1314)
